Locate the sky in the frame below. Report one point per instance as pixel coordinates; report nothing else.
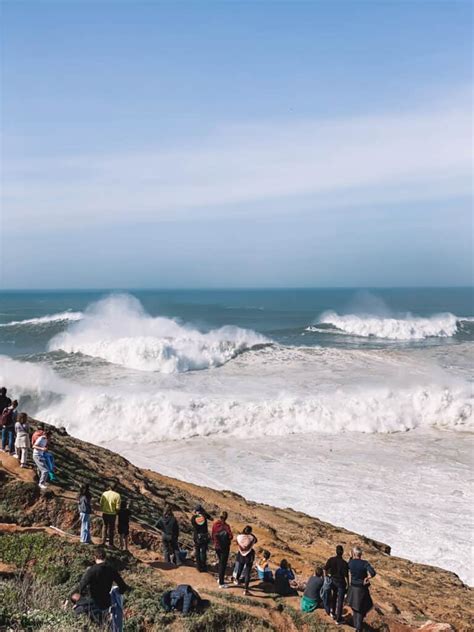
(236, 144)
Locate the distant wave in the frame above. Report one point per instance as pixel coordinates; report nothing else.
(42, 320)
(118, 330)
(407, 328)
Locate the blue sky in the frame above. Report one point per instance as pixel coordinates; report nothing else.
(203, 144)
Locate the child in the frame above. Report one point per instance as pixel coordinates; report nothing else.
(263, 567)
(123, 524)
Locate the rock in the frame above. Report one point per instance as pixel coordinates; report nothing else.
(432, 626)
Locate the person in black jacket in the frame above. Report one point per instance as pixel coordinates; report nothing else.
(98, 581)
(5, 401)
(201, 536)
(170, 535)
(338, 569)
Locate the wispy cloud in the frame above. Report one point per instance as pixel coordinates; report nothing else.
(420, 155)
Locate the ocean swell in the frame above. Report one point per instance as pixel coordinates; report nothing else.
(118, 330)
(45, 320)
(407, 328)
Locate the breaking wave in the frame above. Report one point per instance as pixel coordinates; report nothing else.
(104, 413)
(118, 330)
(407, 328)
(44, 320)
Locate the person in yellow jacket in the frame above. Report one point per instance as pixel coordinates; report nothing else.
(109, 506)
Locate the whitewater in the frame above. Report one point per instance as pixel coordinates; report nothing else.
(384, 399)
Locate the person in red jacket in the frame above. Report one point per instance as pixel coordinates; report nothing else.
(221, 538)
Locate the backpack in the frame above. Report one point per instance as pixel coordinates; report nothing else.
(222, 537)
(7, 417)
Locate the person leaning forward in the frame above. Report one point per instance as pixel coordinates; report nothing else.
(109, 506)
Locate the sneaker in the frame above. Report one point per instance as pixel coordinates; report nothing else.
(246, 592)
(222, 585)
(339, 622)
(235, 581)
(15, 456)
(42, 486)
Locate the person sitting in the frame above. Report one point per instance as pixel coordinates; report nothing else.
(182, 598)
(22, 441)
(311, 598)
(263, 567)
(285, 580)
(109, 506)
(245, 557)
(358, 597)
(222, 536)
(169, 537)
(97, 581)
(336, 567)
(201, 536)
(124, 524)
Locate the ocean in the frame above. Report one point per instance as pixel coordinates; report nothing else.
(354, 406)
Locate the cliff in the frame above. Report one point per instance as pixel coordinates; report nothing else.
(41, 559)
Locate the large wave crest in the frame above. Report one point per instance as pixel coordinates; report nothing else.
(117, 329)
(405, 328)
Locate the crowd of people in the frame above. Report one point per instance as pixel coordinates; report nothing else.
(328, 587)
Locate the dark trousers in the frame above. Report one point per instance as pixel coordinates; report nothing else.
(223, 555)
(109, 528)
(245, 563)
(171, 552)
(358, 618)
(200, 549)
(338, 590)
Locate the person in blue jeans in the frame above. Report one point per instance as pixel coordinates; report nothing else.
(338, 570)
(9, 416)
(85, 510)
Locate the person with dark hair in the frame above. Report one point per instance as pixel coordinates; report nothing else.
(336, 567)
(201, 536)
(97, 581)
(284, 578)
(22, 440)
(109, 506)
(124, 524)
(311, 598)
(85, 509)
(39, 448)
(170, 535)
(5, 401)
(263, 567)
(246, 556)
(221, 538)
(358, 597)
(8, 421)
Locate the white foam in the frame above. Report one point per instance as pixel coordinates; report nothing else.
(406, 328)
(50, 318)
(118, 330)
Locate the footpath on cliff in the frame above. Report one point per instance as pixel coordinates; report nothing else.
(40, 555)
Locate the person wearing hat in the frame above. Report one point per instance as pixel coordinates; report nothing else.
(201, 536)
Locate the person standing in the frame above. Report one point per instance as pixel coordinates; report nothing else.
(201, 536)
(169, 537)
(221, 535)
(124, 524)
(246, 556)
(85, 510)
(359, 598)
(336, 567)
(22, 441)
(5, 401)
(8, 420)
(39, 448)
(109, 506)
